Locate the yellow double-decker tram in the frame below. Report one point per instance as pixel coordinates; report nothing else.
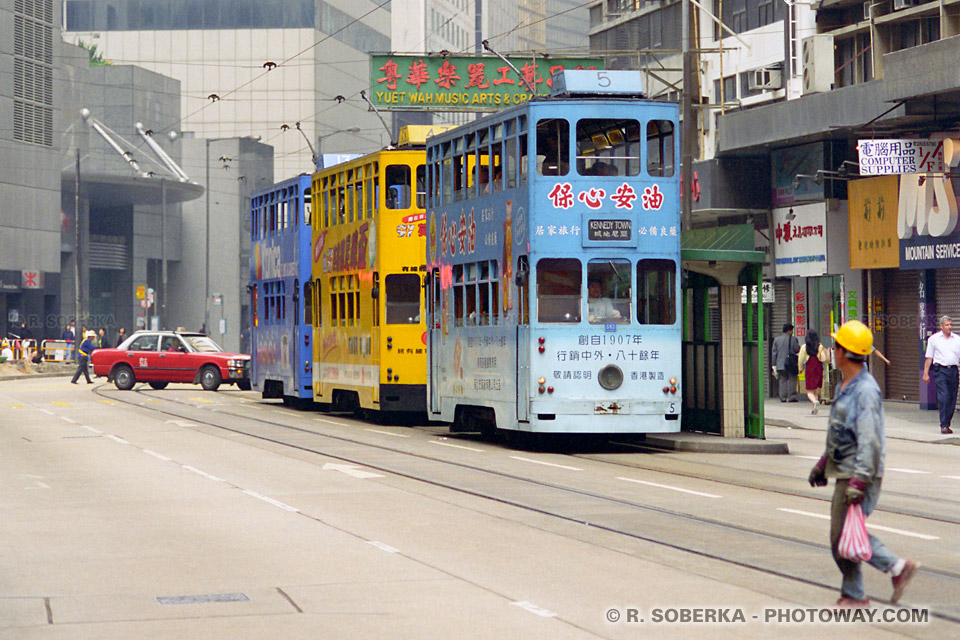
(368, 245)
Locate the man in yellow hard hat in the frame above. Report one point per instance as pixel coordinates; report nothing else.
(856, 445)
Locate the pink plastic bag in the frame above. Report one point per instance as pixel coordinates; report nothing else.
(854, 542)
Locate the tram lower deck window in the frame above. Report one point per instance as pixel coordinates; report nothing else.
(403, 298)
(656, 292)
(558, 290)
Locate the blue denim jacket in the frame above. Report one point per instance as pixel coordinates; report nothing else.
(856, 444)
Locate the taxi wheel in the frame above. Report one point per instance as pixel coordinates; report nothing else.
(159, 385)
(210, 378)
(123, 378)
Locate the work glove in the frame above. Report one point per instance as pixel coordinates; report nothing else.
(774, 369)
(818, 476)
(855, 491)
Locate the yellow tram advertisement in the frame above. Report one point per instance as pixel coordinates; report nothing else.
(368, 246)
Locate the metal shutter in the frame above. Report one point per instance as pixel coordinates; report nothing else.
(902, 343)
(948, 293)
(778, 314)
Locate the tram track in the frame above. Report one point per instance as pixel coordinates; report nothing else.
(481, 482)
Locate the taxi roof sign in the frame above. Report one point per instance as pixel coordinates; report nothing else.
(597, 82)
(418, 133)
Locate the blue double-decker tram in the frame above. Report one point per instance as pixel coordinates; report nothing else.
(553, 255)
(281, 349)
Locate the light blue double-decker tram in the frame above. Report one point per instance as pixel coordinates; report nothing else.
(553, 253)
(281, 350)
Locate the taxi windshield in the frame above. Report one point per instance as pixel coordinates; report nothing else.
(202, 344)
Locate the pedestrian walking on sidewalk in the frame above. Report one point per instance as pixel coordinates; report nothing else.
(943, 356)
(856, 445)
(83, 357)
(813, 355)
(785, 350)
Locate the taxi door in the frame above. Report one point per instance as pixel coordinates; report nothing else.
(141, 355)
(173, 360)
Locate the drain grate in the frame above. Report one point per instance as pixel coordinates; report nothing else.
(203, 599)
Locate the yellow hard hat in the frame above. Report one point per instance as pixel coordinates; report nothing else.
(855, 337)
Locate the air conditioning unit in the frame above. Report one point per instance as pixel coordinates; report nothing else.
(903, 4)
(765, 79)
(818, 65)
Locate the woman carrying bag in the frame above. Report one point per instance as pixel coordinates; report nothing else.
(812, 367)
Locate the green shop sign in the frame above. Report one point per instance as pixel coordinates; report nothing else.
(468, 83)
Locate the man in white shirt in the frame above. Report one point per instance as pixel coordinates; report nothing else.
(599, 310)
(943, 356)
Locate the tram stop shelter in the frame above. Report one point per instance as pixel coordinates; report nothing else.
(723, 341)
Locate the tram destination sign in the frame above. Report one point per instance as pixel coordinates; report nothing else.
(462, 83)
(613, 230)
(885, 157)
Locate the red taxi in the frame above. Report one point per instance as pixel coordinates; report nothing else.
(161, 357)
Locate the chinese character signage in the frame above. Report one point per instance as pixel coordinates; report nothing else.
(800, 240)
(884, 157)
(609, 230)
(873, 223)
(927, 217)
(469, 83)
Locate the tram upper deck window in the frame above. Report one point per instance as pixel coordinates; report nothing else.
(660, 160)
(608, 291)
(421, 186)
(397, 178)
(608, 147)
(403, 298)
(553, 147)
(656, 291)
(558, 290)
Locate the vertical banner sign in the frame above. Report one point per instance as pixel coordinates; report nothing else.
(873, 223)
(800, 240)
(462, 83)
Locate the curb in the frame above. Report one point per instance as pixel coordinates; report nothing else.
(702, 443)
(31, 376)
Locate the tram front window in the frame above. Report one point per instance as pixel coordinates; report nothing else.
(607, 147)
(608, 291)
(558, 290)
(403, 298)
(656, 292)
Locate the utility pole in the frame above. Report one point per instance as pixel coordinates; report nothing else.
(688, 138)
(76, 237)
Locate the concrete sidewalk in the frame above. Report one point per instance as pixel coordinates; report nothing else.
(903, 421)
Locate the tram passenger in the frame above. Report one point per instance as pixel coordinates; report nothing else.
(599, 309)
(854, 456)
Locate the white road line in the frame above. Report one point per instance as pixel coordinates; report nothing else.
(458, 446)
(877, 527)
(275, 503)
(91, 429)
(383, 547)
(157, 455)
(200, 473)
(66, 419)
(291, 414)
(534, 609)
(809, 457)
(49, 413)
(547, 464)
(666, 486)
(351, 470)
(907, 470)
(951, 477)
(117, 439)
(388, 433)
(339, 424)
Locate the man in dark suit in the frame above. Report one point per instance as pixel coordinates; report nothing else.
(785, 365)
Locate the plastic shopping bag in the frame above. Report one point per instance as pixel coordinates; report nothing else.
(854, 541)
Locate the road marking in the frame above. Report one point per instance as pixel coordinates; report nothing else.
(182, 423)
(671, 488)
(66, 419)
(36, 479)
(62, 404)
(15, 406)
(117, 439)
(546, 464)
(109, 402)
(951, 477)
(907, 470)
(49, 413)
(157, 455)
(350, 470)
(534, 609)
(383, 547)
(877, 527)
(203, 400)
(200, 473)
(388, 433)
(809, 457)
(91, 429)
(275, 503)
(459, 446)
(339, 424)
(290, 413)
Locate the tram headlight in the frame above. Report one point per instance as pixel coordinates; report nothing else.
(610, 377)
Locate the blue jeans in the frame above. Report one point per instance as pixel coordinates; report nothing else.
(946, 380)
(883, 559)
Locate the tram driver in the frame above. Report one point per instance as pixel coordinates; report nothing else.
(599, 309)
